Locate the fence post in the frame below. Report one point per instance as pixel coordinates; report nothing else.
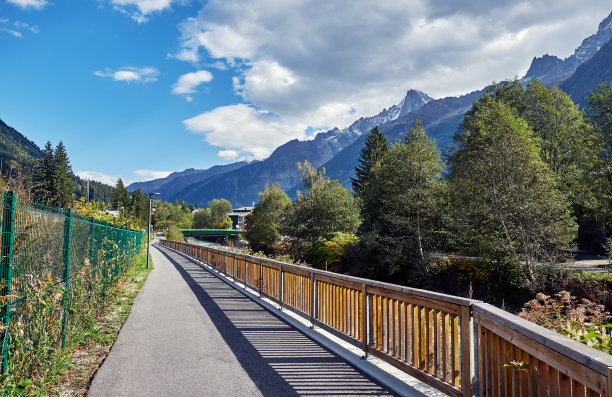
(281, 293)
(8, 233)
(93, 240)
(260, 278)
(466, 352)
(313, 297)
(364, 314)
(67, 232)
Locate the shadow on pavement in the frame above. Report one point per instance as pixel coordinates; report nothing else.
(280, 360)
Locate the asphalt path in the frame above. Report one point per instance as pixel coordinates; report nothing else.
(191, 334)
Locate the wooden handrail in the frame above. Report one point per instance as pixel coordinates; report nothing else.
(426, 334)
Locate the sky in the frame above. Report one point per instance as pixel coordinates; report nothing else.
(137, 89)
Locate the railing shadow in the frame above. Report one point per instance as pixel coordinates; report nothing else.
(280, 360)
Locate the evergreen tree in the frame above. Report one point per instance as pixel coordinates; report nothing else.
(63, 189)
(121, 197)
(408, 191)
(263, 225)
(373, 151)
(139, 206)
(508, 209)
(42, 183)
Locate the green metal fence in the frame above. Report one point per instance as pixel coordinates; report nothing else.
(54, 252)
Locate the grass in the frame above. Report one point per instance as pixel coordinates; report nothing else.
(71, 370)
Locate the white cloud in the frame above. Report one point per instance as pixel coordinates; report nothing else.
(246, 132)
(147, 175)
(228, 154)
(36, 4)
(324, 64)
(100, 177)
(25, 26)
(142, 75)
(188, 82)
(143, 175)
(16, 28)
(139, 10)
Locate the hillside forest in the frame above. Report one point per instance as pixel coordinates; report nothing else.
(528, 176)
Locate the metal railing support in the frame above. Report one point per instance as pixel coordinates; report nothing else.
(66, 258)
(8, 233)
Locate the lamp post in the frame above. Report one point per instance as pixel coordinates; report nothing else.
(149, 228)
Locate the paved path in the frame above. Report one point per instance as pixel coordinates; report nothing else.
(190, 334)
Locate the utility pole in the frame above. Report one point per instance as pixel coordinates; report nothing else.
(149, 229)
(87, 199)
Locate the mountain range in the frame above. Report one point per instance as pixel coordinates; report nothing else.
(337, 150)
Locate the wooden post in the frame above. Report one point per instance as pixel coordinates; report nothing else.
(363, 315)
(313, 285)
(466, 352)
(281, 294)
(609, 382)
(260, 283)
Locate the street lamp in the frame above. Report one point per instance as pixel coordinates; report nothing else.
(149, 228)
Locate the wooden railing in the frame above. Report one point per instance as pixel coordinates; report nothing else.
(426, 334)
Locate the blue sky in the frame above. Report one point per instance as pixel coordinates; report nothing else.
(139, 88)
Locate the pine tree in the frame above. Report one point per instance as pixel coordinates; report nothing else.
(121, 197)
(42, 183)
(63, 189)
(403, 199)
(374, 149)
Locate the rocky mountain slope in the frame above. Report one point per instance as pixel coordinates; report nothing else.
(550, 69)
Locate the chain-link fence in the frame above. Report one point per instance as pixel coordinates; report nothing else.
(57, 266)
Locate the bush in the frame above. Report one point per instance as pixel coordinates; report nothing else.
(583, 321)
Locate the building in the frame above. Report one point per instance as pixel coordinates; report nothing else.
(238, 217)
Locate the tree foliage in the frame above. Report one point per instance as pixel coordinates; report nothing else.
(263, 225)
(219, 208)
(121, 197)
(599, 111)
(507, 206)
(201, 219)
(374, 149)
(402, 201)
(325, 208)
(52, 181)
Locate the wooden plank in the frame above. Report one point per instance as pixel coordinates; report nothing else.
(609, 388)
(362, 316)
(403, 337)
(337, 281)
(565, 385)
(553, 382)
(456, 375)
(482, 374)
(415, 335)
(582, 373)
(418, 374)
(425, 302)
(429, 340)
(445, 346)
(581, 353)
(422, 339)
(437, 344)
